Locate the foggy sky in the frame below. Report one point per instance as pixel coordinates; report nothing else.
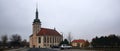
(85, 19)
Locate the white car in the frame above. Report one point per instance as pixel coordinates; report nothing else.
(64, 46)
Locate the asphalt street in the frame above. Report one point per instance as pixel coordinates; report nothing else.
(18, 49)
(45, 49)
(75, 50)
(40, 49)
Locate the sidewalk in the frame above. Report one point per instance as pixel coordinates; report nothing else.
(19, 49)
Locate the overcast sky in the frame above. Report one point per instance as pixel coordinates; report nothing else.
(85, 19)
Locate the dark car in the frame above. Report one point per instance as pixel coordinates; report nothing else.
(54, 46)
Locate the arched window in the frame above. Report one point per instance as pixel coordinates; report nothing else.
(53, 39)
(44, 39)
(47, 39)
(50, 39)
(39, 40)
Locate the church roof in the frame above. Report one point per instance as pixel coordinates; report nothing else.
(46, 31)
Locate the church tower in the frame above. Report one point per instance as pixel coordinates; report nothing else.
(36, 23)
(43, 37)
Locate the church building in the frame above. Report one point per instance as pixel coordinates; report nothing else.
(43, 37)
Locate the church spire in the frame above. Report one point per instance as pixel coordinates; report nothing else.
(36, 15)
(36, 23)
(36, 11)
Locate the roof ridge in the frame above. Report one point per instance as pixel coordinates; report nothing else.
(47, 28)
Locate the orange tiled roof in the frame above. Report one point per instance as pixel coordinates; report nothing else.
(80, 40)
(46, 31)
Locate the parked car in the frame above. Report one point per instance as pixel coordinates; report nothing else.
(65, 46)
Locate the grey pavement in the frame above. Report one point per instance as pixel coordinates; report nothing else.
(18, 49)
(73, 50)
(41, 49)
(46, 49)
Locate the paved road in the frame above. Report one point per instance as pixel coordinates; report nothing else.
(75, 50)
(19, 49)
(45, 49)
(40, 49)
(72, 50)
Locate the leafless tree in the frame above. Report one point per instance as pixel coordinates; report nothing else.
(24, 43)
(15, 37)
(4, 39)
(15, 40)
(69, 37)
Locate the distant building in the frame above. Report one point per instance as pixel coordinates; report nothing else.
(78, 43)
(43, 37)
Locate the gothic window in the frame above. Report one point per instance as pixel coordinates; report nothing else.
(57, 39)
(47, 39)
(50, 39)
(39, 39)
(44, 39)
(53, 39)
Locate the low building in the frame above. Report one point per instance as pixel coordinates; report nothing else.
(78, 43)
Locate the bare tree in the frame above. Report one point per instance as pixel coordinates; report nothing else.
(15, 40)
(69, 37)
(15, 37)
(4, 39)
(24, 43)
